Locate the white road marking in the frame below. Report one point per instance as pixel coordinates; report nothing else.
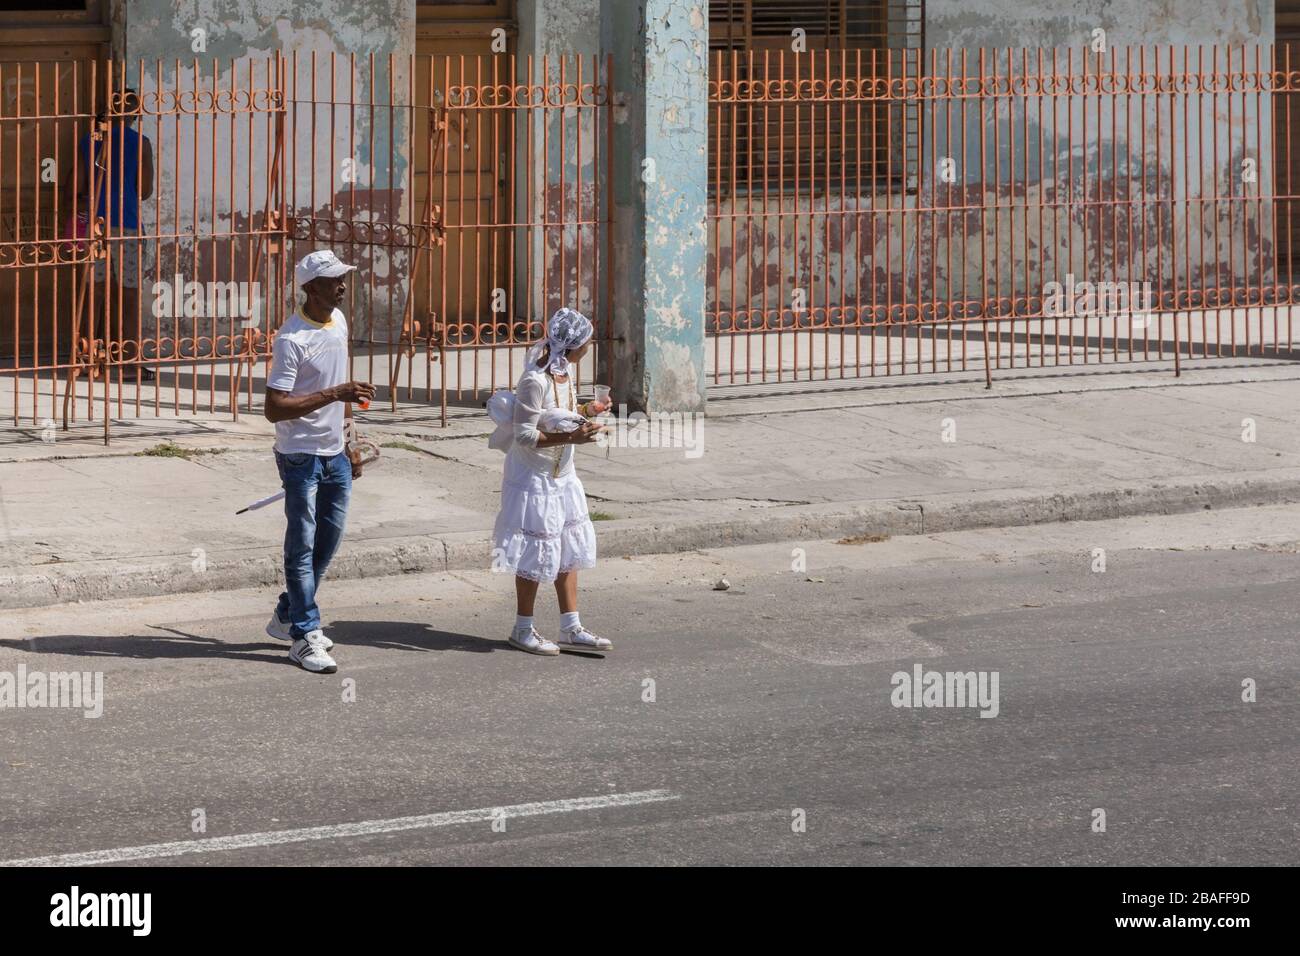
(365, 828)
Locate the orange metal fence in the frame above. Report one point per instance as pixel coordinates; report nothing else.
(139, 221)
(473, 191)
(871, 213)
(150, 215)
(1059, 207)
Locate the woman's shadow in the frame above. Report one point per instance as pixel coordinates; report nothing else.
(408, 636)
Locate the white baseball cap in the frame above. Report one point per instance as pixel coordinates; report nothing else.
(322, 262)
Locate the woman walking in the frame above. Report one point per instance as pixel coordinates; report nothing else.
(543, 532)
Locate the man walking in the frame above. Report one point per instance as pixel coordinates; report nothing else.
(308, 396)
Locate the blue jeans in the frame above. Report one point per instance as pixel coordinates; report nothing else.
(317, 489)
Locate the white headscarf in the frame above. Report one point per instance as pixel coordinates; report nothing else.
(568, 329)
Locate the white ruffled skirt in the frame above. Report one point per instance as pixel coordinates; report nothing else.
(543, 528)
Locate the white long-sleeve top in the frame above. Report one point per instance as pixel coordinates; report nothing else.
(536, 393)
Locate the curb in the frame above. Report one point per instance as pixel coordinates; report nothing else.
(460, 551)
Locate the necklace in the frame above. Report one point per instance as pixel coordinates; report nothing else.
(555, 390)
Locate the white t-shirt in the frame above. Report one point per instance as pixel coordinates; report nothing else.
(307, 358)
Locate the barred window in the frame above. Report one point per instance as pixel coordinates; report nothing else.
(821, 145)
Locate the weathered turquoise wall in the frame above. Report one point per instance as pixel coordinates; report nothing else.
(660, 192)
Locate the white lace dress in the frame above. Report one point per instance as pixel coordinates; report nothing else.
(543, 528)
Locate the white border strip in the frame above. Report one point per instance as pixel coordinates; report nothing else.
(342, 830)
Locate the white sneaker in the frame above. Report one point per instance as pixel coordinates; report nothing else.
(280, 631)
(311, 656)
(532, 642)
(581, 637)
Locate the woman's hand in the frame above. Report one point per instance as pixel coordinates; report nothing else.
(586, 433)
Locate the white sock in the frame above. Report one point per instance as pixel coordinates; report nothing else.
(569, 621)
(524, 624)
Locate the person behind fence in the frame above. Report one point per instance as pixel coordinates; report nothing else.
(309, 397)
(543, 531)
(122, 175)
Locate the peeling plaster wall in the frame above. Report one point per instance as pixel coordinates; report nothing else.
(765, 262)
(561, 185)
(1057, 23)
(910, 255)
(661, 49)
(557, 27)
(1099, 142)
(159, 33)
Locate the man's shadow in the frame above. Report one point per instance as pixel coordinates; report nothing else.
(166, 643)
(169, 643)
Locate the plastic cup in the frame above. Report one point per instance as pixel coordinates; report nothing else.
(602, 394)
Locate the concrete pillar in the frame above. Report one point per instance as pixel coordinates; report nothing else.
(660, 50)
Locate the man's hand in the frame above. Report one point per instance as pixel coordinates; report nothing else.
(355, 458)
(355, 392)
(281, 406)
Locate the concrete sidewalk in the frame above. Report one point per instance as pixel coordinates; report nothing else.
(82, 522)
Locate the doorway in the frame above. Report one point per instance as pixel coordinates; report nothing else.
(468, 168)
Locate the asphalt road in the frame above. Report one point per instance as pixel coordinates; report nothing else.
(1118, 690)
